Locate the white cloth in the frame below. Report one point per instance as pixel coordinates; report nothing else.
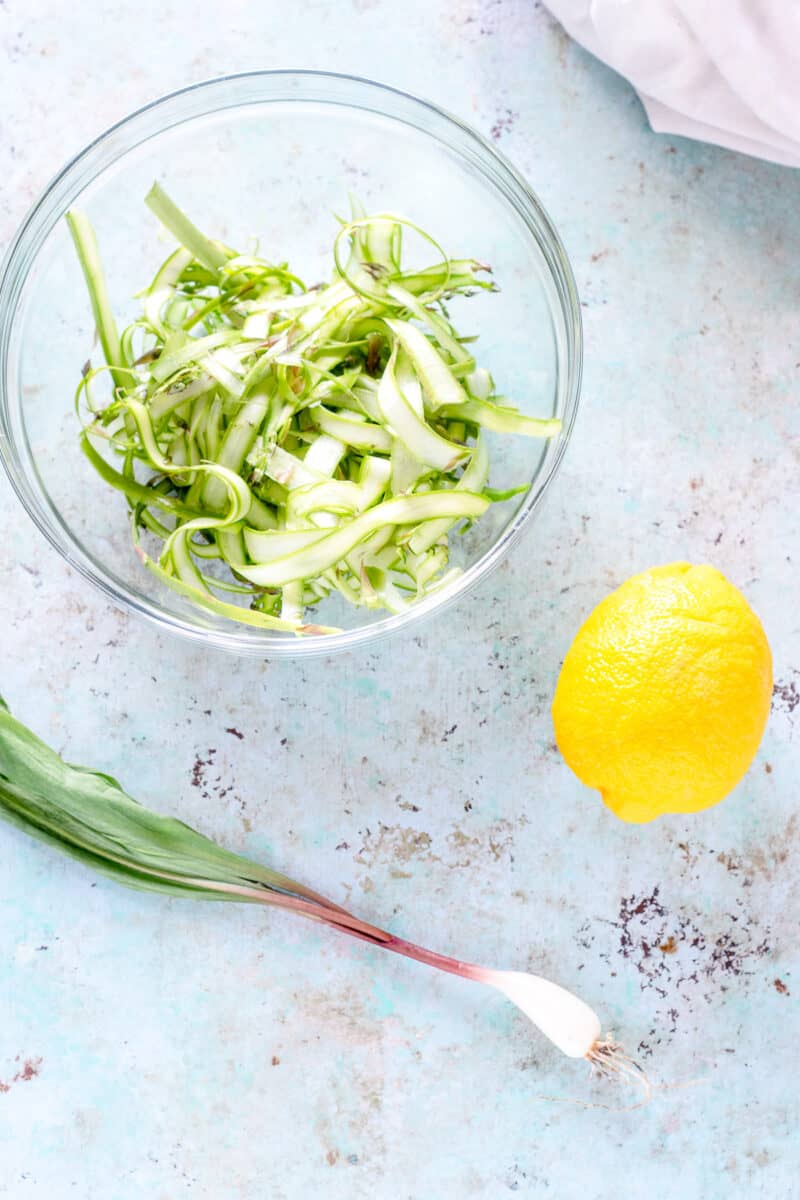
(723, 71)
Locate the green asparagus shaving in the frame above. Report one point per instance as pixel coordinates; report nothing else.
(329, 550)
(280, 444)
(421, 441)
(89, 257)
(208, 253)
(473, 479)
(503, 418)
(440, 385)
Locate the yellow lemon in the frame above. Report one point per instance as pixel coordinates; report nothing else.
(665, 692)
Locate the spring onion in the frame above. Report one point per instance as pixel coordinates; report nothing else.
(86, 814)
(279, 443)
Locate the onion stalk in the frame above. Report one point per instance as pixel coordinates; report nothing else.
(87, 814)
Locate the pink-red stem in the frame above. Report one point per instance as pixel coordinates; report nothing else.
(388, 941)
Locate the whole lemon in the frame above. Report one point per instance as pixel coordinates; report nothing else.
(665, 692)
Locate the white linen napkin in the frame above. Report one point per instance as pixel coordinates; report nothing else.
(723, 71)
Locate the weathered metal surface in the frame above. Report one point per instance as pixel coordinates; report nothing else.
(154, 1048)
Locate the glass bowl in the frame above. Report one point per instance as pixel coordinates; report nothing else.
(272, 155)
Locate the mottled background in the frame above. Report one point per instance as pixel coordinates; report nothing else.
(157, 1049)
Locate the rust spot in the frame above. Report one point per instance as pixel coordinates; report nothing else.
(781, 988)
(393, 842)
(466, 848)
(28, 1071)
(768, 768)
(332, 1157)
(764, 859)
(728, 861)
(698, 959)
(634, 906)
(694, 484)
(785, 696)
(199, 769)
(275, 1061)
(504, 124)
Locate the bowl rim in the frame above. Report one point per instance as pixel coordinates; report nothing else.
(83, 168)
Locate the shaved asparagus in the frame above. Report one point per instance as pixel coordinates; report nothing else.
(89, 257)
(285, 443)
(411, 428)
(403, 510)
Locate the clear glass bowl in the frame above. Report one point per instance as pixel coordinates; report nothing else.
(272, 155)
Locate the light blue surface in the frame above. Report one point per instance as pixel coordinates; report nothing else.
(159, 1049)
